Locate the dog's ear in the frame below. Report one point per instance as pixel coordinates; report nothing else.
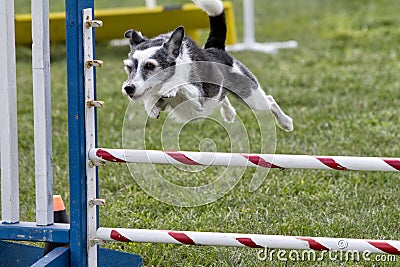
(134, 37)
(173, 45)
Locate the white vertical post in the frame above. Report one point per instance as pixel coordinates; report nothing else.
(90, 128)
(151, 3)
(248, 22)
(8, 115)
(42, 112)
(249, 40)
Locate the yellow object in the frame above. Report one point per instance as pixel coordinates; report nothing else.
(149, 21)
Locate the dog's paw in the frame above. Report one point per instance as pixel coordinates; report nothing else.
(197, 106)
(168, 93)
(229, 114)
(285, 123)
(154, 113)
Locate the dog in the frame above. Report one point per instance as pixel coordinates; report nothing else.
(170, 71)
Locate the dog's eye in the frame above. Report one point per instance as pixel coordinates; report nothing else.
(128, 69)
(130, 65)
(149, 66)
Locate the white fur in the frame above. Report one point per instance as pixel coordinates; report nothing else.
(211, 7)
(142, 57)
(185, 107)
(182, 97)
(259, 101)
(181, 76)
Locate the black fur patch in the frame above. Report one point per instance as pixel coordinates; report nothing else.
(217, 36)
(246, 72)
(135, 63)
(161, 57)
(150, 43)
(219, 56)
(210, 90)
(196, 53)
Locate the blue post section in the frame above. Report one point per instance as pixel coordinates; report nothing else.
(18, 255)
(29, 231)
(76, 130)
(77, 147)
(59, 257)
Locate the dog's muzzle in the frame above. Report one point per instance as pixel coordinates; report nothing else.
(130, 90)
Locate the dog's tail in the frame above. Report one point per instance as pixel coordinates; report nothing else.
(215, 11)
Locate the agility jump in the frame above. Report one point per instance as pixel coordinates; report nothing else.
(99, 156)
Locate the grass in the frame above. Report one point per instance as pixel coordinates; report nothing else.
(341, 87)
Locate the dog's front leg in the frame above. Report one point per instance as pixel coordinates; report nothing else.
(153, 107)
(168, 90)
(228, 112)
(192, 95)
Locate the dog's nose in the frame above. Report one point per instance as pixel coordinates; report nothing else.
(130, 89)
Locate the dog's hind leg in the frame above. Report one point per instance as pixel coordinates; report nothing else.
(259, 101)
(284, 121)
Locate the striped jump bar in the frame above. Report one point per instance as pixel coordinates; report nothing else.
(278, 161)
(247, 240)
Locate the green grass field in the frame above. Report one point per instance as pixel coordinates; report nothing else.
(342, 88)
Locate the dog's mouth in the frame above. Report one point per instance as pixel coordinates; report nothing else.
(137, 96)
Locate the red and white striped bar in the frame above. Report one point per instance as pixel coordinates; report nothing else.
(247, 240)
(246, 160)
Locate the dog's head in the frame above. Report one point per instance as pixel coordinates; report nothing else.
(151, 62)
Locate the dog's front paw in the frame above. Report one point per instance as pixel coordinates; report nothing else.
(228, 113)
(154, 113)
(168, 93)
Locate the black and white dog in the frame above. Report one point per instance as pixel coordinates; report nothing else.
(170, 71)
